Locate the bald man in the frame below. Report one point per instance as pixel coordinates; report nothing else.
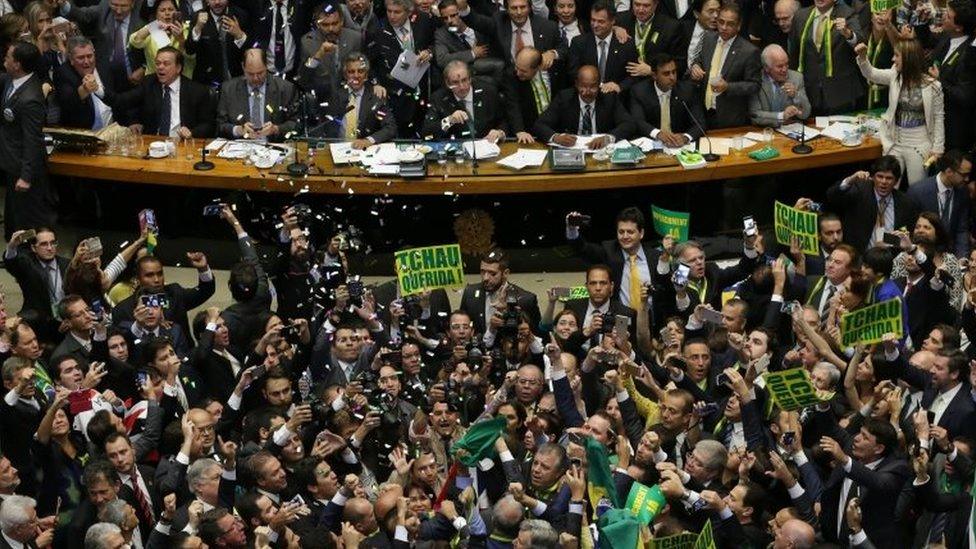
(528, 92)
(256, 105)
(584, 111)
(794, 534)
(781, 98)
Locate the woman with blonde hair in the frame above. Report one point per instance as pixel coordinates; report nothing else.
(912, 129)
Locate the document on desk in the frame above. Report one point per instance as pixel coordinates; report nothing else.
(524, 158)
(343, 153)
(582, 143)
(384, 153)
(409, 69)
(837, 130)
(646, 144)
(795, 130)
(482, 149)
(384, 169)
(715, 145)
(216, 145)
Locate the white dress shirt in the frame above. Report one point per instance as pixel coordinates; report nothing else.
(174, 107)
(527, 38)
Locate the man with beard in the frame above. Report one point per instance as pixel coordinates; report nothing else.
(328, 44)
(831, 233)
(218, 528)
(487, 303)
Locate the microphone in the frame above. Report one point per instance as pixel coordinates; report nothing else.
(802, 147)
(297, 168)
(709, 156)
(204, 164)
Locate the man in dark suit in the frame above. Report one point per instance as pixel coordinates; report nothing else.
(325, 48)
(675, 128)
(680, 10)
(517, 27)
(278, 31)
(170, 104)
(436, 307)
(386, 40)
(945, 194)
(833, 81)
(456, 41)
(873, 472)
(217, 40)
(601, 289)
(727, 70)
(528, 90)
(653, 32)
(256, 105)
(353, 110)
(926, 305)
(584, 111)
(109, 23)
(86, 97)
(954, 61)
(38, 270)
(486, 302)
(22, 155)
(601, 49)
(24, 527)
(705, 280)
(945, 389)
(136, 479)
(218, 362)
(464, 106)
(781, 98)
(22, 409)
(869, 205)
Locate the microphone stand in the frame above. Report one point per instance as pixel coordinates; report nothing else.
(709, 156)
(298, 168)
(802, 147)
(203, 165)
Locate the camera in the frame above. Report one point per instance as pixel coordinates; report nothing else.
(290, 333)
(815, 207)
(608, 323)
(475, 358)
(945, 278)
(356, 290)
(511, 316)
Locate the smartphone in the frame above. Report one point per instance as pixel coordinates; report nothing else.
(259, 371)
(790, 307)
(141, 378)
(147, 221)
(578, 220)
(97, 309)
(212, 210)
(931, 415)
(815, 207)
(676, 361)
(576, 462)
(762, 364)
(891, 239)
(29, 234)
(94, 245)
(722, 379)
(154, 300)
(710, 316)
(681, 275)
(665, 336)
(788, 438)
(577, 439)
(620, 325)
(297, 499)
(749, 226)
(708, 409)
(392, 357)
(561, 292)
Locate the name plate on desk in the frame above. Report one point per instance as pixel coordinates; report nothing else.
(567, 160)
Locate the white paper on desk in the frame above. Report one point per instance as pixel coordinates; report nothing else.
(843, 118)
(524, 158)
(408, 69)
(235, 150)
(582, 143)
(715, 145)
(343, 153)
(482, 149)
(216, 145)
(384, 169)
(754, 136)
(837, 130)
(673, 151)
(384, 153)
(158, 35)
(794, 130)
(646, 144)
(822, 121)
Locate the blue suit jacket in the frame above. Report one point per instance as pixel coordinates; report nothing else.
(925, 195)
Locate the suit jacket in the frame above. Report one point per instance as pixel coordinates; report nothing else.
(645, 106)
(663, 37)
(520, 101)
(617, 308)
(234, 108)
(926, 308)
(77, 112)
(299, 22)
(209, 69)
(329, 69)
(216, 370)
(670, 7)
(181, 300)
(376, 118)
(98, 23)
(196, 108)
(741, 70)
(473, 303)
(563, 116)
(22, 152)
(842, 89)
(489, 112)
(932, 103)
(33, 280)
(957, 74)
(858, 210)
(383, 48)
(583, 51)
(958, 416)
(545, 33)
(448, 46)
(762, 108)
(245, 319)
(925, 195)
(440, 305)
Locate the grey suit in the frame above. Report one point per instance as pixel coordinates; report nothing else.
(375, 118)
(98, 22)
(835, 88)
(741, 70)
(234, 109)
(762, 107)
(329, 69)
(448, 46)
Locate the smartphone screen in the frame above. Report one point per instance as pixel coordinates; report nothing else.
(749, 225)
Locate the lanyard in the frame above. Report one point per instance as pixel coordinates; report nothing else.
(874, 50)
(826, 42)
(540, 93)
(818, 287)
(642, 38)
(701, 291)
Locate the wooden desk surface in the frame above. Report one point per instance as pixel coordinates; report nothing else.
(490, 178)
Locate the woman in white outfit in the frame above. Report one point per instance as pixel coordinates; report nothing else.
(912, 128)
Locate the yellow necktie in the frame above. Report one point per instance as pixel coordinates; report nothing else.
(666, 112)
(352, 118)
(715, 69)
(818, 32)
(635, 284)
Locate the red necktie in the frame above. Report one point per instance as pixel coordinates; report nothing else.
(144, 508)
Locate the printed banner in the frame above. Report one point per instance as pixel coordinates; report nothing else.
(705, 539)
(669, 223)
(870, 324)
(791, 389)
(790, 222)
(420, 269)
(685, 540)
(645, 502)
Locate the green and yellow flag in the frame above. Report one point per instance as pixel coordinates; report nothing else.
(599, 478)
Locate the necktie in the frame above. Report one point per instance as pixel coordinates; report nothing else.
(818, 32)
(405, 40)
(825, 310)
(908, 287)
(145, 510)
(635, 284)
(602, 59)
(882, 208)
(586, 125)
(562, 33)
(464, 38)
(540, 92)
(665, 112)
(778, 105)
(279, 41)
(165, 123)
(519, 42)
(53, 282)
(118, 48)
(224, 63)
(714, 70)
(351, 121)
(945, 205)
(257, 108)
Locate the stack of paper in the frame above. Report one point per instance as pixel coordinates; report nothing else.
(385, 153)
(715, 145)
(343, 153)
(794, 131)
(481, 149)
(582, 143)
(646, 144)
(837, 130)
(524, 158)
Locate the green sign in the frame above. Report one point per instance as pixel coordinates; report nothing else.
(420, 269)
(578, 292)
(882, 5)
(705, 539)
(790, 222)
(870, 324)
(791, 389)
(645, 502)
(684, 540)
(673, 224)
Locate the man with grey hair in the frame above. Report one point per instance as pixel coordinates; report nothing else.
(781, 98)
(353, 108)
(703, 469)
(19, 524)
(464, 106)
(506, 516)
(104, 535)
(536, 533)
(704, 281)
(86, 99)
(119, 513)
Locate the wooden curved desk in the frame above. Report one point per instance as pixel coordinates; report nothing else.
(489, 178)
